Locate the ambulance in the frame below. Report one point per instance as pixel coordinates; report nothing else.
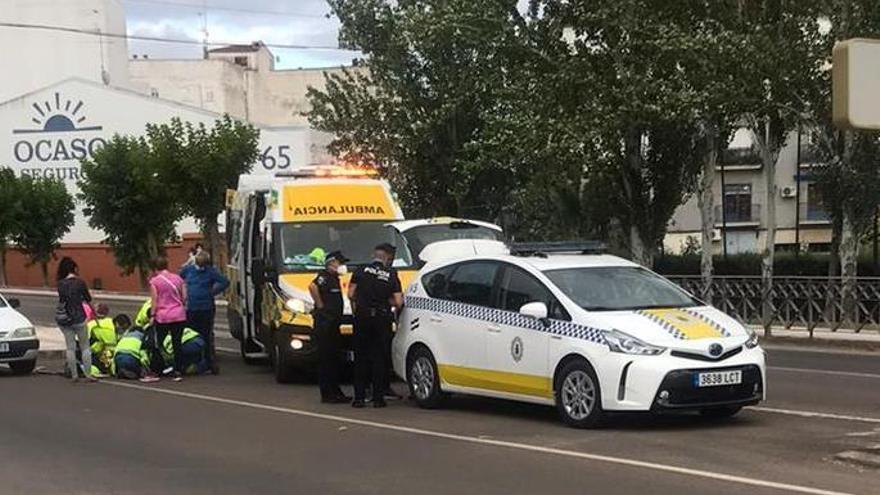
(278, 228)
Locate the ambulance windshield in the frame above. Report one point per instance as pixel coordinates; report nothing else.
(304, 245)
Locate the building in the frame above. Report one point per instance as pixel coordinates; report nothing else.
(73, 89)
(741, 223)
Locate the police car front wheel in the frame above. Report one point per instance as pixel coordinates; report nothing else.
(423, 378)
(578, 398)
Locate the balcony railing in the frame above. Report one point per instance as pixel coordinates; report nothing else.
(738, 214)
(814, 213)
(740, 157)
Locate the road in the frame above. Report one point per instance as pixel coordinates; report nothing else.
(239, 432)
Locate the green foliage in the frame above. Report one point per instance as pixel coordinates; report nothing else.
(198, 165)
(10, 205)
(127, 199)
(47, 215)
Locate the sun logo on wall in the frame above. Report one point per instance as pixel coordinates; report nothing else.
(58, 115)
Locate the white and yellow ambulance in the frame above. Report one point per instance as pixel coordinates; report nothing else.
(277, 229)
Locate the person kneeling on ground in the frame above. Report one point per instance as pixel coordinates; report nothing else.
(102, 341)
(131, 359)
(193, 350)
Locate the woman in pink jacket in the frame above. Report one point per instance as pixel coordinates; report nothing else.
(168, 295)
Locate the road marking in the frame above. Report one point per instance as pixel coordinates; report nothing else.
(826, 372)
(230, 350)
(812, 414)
(494, 443)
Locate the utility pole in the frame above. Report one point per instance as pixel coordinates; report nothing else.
(797, 197)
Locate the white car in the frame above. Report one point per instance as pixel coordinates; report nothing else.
(420, 233)
(19, 345)
(586, 333)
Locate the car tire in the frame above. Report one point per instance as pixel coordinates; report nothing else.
(720, 412)
(423, 378)
(578, 396)
(23, 367)
(284, 370)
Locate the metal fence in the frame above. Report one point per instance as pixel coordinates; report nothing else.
(801, 302)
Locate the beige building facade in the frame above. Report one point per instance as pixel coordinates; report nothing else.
(740, 186)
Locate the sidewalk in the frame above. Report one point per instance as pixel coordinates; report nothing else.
(51, 342)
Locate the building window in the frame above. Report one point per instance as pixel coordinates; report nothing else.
(738, 203)
(814, 209)
(242, 61)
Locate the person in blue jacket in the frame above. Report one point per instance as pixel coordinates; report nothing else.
(203, 284)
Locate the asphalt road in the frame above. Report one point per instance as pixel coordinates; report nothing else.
(242, 433)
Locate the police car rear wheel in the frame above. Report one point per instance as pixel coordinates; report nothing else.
(424, 379)
(23, 367)
(578, 399)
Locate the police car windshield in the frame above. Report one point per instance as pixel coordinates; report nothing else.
(619, 288)
(302, 244)
(421, 236)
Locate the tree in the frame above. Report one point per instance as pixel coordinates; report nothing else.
(780, 41)
(199, 164)
(413, 107)
(10, 213)
(126, 198)
(47, 215)
(849, 174)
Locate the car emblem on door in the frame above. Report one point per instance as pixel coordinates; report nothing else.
(715, 349)
(516, 349)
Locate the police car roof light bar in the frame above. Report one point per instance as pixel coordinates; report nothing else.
(542, 249)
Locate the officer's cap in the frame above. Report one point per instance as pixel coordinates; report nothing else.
(335, 256)
(388, 248)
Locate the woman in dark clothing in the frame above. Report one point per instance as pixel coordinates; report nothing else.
(72, 294)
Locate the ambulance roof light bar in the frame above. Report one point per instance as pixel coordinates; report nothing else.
(543, 249)
(317, 171)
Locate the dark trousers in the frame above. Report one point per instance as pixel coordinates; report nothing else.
(176, 331)
(326, 334)
(202, 321)
(370, 348)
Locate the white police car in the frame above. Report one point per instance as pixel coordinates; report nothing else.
(18, 339)
(587, 333)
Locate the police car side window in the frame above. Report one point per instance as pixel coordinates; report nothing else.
(519, 288)
(472, 283)
(435, 283)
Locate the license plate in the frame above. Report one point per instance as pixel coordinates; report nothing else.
(4, 347)
(718, 378)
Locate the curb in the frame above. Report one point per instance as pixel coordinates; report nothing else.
(820, 344)
(50, 354)
(869, 458)
(108, 296)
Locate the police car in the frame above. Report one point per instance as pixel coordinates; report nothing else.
(588, 333)
(424, 232)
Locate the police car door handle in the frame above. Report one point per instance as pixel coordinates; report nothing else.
(494, 329)
(436, 319)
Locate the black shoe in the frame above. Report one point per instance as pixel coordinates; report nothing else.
(335, 400)
(215, 370)
(379, 403)
(358, 404)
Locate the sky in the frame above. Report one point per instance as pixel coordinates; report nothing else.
(286, 22)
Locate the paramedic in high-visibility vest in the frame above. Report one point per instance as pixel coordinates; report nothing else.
(102, 340)
(131, 358)
(193, 352)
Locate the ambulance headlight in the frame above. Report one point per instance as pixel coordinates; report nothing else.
(752, 342)
(627, 344)
(299, 306)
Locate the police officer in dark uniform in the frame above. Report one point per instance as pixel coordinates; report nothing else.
(374, 290)
(327, 295)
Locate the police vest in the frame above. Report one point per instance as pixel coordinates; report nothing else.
(168, 347)
(102, 334)
(143, 319)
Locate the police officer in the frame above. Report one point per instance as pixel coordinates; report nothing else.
(374, 289)
(327, 295)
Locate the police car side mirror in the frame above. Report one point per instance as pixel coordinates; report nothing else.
(536, 310)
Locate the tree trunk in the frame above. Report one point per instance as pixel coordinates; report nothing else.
(44, 268)
(642, 252)
(849, 251)
(769, 153)
(706, 201)
(3, 281)
(211, 231)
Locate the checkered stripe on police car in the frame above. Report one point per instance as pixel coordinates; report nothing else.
(663, 324)
(705, 319)
(501, 317)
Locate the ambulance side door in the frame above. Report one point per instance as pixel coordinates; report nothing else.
(250, 294)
